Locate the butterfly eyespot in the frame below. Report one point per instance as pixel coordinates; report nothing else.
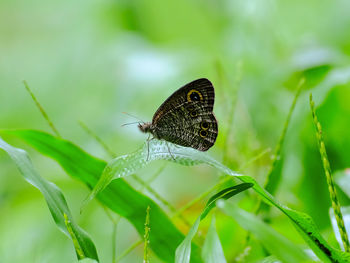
(204, 125)
(190, 108)
(193, 114)
(194, 95)
(203, 133)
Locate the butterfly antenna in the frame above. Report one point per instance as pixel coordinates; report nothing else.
(133, 116)
(129, 123)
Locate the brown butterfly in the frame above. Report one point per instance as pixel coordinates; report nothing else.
(186, 118)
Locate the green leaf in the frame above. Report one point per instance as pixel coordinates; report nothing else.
(146, 238)
(224, 194)
(346, 216)
(119, 196)
(127, 164)
(56, 202)
(277, 244)
(183, 252)
(151, 151)
(124, 200)
(212, 251)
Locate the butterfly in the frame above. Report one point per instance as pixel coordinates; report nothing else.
(186, 118)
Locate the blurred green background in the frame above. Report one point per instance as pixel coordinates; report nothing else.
(90, 61)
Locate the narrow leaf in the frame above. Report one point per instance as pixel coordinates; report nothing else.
(183, 252)
(56, 202)
(330, 181)
(212, 251)
(146, 237)
(119, 196)
(153, 150)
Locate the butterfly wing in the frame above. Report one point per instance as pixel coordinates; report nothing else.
(186, 118)
(200, 89)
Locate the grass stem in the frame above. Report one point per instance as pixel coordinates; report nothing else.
(330, 182)
(146, 237)
(41, 109)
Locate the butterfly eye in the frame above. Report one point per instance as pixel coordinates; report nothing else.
(203, 133)
(204, 125)
(193, 114)
(194, 95)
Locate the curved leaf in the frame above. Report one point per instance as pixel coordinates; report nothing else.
(119, 196)
(212, 251)
(151, 151)
(183, 251)
(56, 202)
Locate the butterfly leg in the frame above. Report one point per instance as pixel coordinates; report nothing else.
(148, 140)
(172, 156)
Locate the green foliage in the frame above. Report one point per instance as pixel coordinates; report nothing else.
(118, 196)
(83, 166)
(84, 247)
(183, 251)
(146, 237)
(346, 217)
(109, 57)
(212, 250)
(329, 177)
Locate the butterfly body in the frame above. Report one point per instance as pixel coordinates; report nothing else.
(186, 118)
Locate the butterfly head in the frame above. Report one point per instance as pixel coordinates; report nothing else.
(145, 127)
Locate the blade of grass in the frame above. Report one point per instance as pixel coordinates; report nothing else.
(212, 251)
(41, 109)
(56, 202)
(146, 237)
(329, 177)
(346, 213)
(183, 251)
(118, 196)
(153, 150)
(232, 94)
(274, 175)
(219, 185)
(97, 139)
(70, 230)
